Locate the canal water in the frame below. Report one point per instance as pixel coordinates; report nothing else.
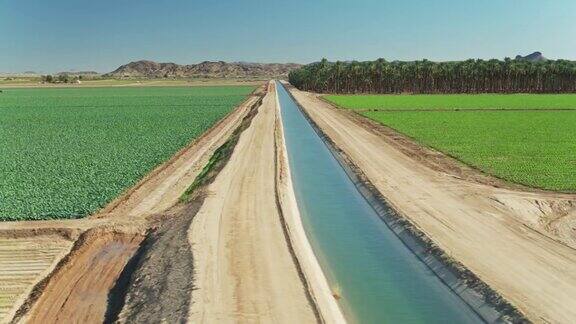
(378, 278)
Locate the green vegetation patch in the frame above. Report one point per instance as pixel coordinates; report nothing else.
(534, 148)
(219, 158)
(211, 169)
(65, 153)
(454, 102)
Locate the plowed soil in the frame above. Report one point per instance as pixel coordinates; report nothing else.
(23, 263)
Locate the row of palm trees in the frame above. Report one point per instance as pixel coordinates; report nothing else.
(470, 76)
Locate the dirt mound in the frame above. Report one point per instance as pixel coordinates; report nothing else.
(160, 285)
(237, 233)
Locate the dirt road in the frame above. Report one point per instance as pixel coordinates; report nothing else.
(244, 269)
(483, 227)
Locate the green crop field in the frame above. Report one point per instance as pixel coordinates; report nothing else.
(536, 148)
(65, 153)
(455, 102)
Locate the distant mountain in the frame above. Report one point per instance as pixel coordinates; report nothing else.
(205, 69)
(78, 73)
(534, 57)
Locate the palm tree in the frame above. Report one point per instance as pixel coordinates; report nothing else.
(470, 76)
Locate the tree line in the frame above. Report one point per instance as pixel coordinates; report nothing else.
(470, 76)
(60, 78)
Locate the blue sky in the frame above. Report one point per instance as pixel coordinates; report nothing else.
(57, 35)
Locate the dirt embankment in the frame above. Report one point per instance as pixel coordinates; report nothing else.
(78, 289)
(243, 266)
(495, 232)
(549, 212)
(156, 286)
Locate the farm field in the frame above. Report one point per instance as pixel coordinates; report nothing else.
(67, 152)
(454, 101)
(531, 147)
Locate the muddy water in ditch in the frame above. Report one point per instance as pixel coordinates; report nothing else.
(379, 279)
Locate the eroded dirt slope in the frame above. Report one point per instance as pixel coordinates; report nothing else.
(485, 228)
(78, 291)
(159, 287)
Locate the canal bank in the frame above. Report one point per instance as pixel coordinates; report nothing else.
(382, 271)
(312, 276)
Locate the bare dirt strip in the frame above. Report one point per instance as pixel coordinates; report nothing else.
(52, 279)
(242, 261)
(521, 243)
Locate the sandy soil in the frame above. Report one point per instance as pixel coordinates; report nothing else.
(244, 269)
(23, 263)
(497, 233)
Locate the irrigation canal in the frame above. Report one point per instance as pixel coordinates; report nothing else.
(377, 276)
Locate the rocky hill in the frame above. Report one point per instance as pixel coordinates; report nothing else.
(534, 57)
(150, 69)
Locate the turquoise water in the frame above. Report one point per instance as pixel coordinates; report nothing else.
(379, 278)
